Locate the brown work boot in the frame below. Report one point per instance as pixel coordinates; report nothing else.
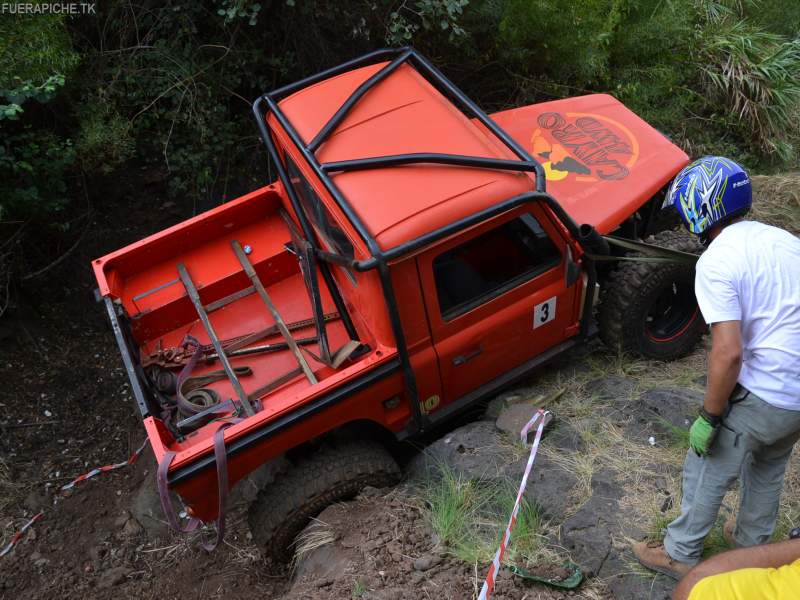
(653, 556)
(727, 533)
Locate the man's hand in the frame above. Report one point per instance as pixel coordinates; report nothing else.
(703, 434)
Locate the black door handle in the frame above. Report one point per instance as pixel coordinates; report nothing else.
(463, 358)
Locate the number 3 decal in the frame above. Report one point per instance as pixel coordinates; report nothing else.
(544, 312)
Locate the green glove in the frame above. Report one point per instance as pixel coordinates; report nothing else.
(703, 433)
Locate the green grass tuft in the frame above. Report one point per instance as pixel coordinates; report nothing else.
(469, 517)
(678, 436)
(359, 589)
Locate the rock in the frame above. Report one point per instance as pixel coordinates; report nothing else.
(330, 559)
(499, 403)
(589, 547)
(549, 486)
(515, 417)
(112, 577)
(659, 411)
(472, 451)
(131, 528)
(427, 562)
(326, 561)
(612, 388)
(587, 533)
(674, 405)
(564, 437)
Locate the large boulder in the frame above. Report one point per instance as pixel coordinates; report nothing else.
(473, 451)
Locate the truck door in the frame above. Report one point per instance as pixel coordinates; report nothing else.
(496, 297)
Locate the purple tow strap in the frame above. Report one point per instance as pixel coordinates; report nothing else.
(222, 490)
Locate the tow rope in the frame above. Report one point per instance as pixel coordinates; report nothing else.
(654, 254)
(542, 417)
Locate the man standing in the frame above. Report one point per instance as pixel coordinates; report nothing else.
(748, 289)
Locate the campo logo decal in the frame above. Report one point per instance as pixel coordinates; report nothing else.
(590, 147)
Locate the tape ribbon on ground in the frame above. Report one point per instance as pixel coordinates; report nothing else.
(494, 568)
(93, 473)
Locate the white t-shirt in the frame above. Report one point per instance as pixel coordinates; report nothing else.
(751, 273)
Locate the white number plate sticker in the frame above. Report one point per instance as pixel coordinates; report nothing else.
(544, 312)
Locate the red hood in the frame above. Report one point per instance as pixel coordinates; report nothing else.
(602, 161)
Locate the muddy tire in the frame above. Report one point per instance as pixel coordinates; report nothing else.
(314, 482)
(651, 309)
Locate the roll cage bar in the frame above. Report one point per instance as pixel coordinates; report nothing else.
(378, 259)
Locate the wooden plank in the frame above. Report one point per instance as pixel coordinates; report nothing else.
(251, 273)
(194, 296)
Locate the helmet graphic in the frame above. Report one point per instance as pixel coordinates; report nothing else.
(711, 190)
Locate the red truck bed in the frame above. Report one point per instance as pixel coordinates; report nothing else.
(143, 278)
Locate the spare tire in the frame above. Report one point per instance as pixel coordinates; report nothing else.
(650, 309)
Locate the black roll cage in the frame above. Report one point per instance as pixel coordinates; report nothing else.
(378, 258)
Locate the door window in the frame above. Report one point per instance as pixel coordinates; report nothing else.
(492, 263)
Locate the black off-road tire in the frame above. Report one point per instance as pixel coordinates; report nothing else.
(634, 292)
(314, 482)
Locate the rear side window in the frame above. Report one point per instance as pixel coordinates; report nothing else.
(330, 233)
(492, 263)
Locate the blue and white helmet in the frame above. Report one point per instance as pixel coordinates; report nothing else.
(710, 190)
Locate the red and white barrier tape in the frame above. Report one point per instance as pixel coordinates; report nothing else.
(105, 469)
(488, 585)
(18, 536)
(94, 472)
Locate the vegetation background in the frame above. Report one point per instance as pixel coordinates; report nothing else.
(160, 91)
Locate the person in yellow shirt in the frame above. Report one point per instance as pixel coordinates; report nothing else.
(768, 572)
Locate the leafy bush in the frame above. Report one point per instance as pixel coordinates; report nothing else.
(104, 139)
(169, 85)
(566, 41)
(426, 16)
(33, 169)
(754, 76)
(37, 55)
(650, 60)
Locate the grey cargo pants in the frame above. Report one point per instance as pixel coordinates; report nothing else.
(754, 444)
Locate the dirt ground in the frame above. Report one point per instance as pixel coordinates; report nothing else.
(65, 408)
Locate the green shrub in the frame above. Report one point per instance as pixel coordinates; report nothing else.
(37, 57)
(650, 60)
(104, 139)
(33, 167)
(566, 41)
(753, 80)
